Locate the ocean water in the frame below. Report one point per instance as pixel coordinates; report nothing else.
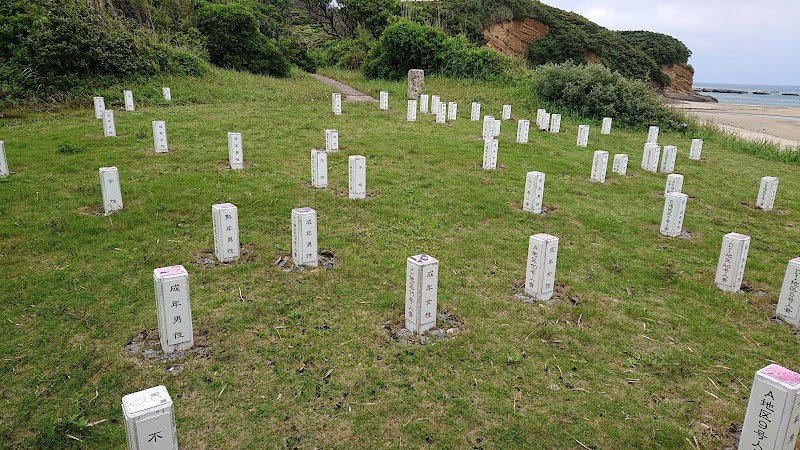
(773, 99)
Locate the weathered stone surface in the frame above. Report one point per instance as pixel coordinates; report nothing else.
(416, 82)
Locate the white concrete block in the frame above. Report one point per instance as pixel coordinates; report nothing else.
(475, 114)
(506, 112)
(423, 103)
(539, 114)
(490, 154)
(599, 167)
(534, 192)
(411, 113)
(652, 153)
(422, 286)
(732, 259)
(304, 237)
(523, 127)
(319, 169)
(4, 172)
(652, 135)
(545, 122)
(668, 159)
(787, 309)
(452, 111)
(358, 177)
(109, 187)
(336, 103)
(331, 140)
(384, 101)
(167, 93)
(109, 130)
(235, 151)
(160, 136)
(674, 211)
(496, 129)
(99, 107)
(441, 113)
(174, 310)
(696, 150)
(488, 127)
(555, 123)
(620, 165)
(766, 193)
(772, 420)
(128, 95)
(674, 183)
(583, 135)
(541, 273)
(225, 217)
(150, 420)
(435, 102)
(606, 128)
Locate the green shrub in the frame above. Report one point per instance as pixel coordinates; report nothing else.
(664, 49)
(68, 148)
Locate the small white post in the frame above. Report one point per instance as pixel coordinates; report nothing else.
(787, 310)
(128, 100)
(99, 107)
(652, 152)
(506, 112)
(411, 113)
(766, 193)
(452, 111)
(555, 123)
(732, 259)
(534, 192)
(150, 420)
(606, 128)
(696, 150)
(668, 159)
(599, 166)
(235, 151)
(423, 103)
(773, 412)
(4, 172)
(304, 237)
(674, 183)
(620, 165)
(652, 135)
(160, 136)
(109, 130)
(384, 101)
(435, 102)
(539, 114)
(541, 273)
(358, 177)
(331, 140)
(523, 126)
(441, 113)
(336, 103)
(497, 124)
(545, 122)
(225, 217)
(319, 169)
(475, 115)
(167, 93)
(672, 217)
(583, 135)
(489, 154)
(422, 286)
(174, 310)
(109, 187)
(488, 127)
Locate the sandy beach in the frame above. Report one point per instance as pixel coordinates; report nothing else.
(777, 124)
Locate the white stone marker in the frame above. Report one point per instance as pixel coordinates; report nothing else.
(304, 237)
(422, 286)
(496, 129)
(331, 140)
(488, 127)
(606, 128)
(674, 183)
(109, 187)
(766, 193)
(668, 159)
(167, 93)
(174, 310)
(732, 259)
(99, 107)
(358, 177)
(599, 167)
(541, 274)
(674, 211)
(441, 113)
(475, 115)
(545, 122)
(336, 103)
(787, 310)
(583, 135)
(160, 136)
(652, 135)
(435, 102)
(620, 165)
(452, 111)
(523, 127)
(226, 231)
(652, 152)
(109, 130)
(4, 172)
(696, 149)
(411, 114)
(423, 103)
(506, 112)
(555, 123)
(773, 412)
(128, 100)
(534, 191)
(235, 151)
(384, 101)
(490, 154)
(539, 113)
(319, 169)
(150, 420)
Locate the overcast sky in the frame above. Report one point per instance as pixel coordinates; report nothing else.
(732, 41)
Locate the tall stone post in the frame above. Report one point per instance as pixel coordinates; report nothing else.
(416, 82)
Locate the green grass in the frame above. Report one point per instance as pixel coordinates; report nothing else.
(630, 363)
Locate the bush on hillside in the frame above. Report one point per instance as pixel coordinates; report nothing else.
(664, 49)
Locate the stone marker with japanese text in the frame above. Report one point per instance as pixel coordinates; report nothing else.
(128, 95)
(541, 273)
(4, 172)
(534, 192)
(167, 93)
(384, 101)
(422, 286)
(555, 123)
(652, 152)
(599, 167)
(696, 149)
(668, 159)
(99, 107)
(674, 211)
(773, 411)
(732, 260)
(475, 113)
(319, 169)
(583, 135)
(423, 103)
(523, 127)
(110, 189)
(174, 310)
(304, 237)
(788, 301)
(160, 136)
(357, 171)
(331, 140)
(336, 103)
(441, 113)
(620, 165)
(489, 154)
(225, 217)
(674, 183)
(766, 193)
(149, 420)
(235, 151)
(452, 111)
(652, 135)
(109, 130)
(606, 127)
(506, 112)
(411, 112)
(545, 122)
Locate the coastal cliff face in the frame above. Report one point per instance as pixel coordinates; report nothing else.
(680, 88)
(514, 37)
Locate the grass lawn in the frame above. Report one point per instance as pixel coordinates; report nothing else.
(644, 352)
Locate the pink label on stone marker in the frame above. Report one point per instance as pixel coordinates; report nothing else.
(781, 374)
(172, 270)
(224, 205)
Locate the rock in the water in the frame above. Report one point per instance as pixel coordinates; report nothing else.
(416, 82)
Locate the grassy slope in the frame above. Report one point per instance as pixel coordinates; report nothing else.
(630, 366)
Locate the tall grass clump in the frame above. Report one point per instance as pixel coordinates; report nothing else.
(762, 148)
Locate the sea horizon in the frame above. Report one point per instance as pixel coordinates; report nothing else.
(774, 98)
